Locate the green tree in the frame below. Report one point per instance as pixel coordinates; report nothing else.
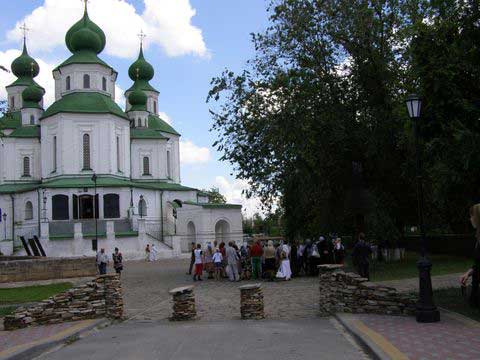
(214, 196)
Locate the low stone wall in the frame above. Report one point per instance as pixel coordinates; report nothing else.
(101, 297)
(350, 293)
(41, 268)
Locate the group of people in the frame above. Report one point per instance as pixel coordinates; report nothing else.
(103, 261)
(151, 253)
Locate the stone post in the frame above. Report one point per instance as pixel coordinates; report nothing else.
(77, 231)
(177, 245)
(110, 230)
(183, 304)
(251, 302)
(113, 296)
(328, 288)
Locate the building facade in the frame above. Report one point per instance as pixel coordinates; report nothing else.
(85, 174)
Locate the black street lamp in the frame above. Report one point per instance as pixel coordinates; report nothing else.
(95, 243)
(427, 312)
(44, 210)
(4, 216)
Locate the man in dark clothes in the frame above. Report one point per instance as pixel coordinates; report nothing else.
(192, 259)
(361, 253)
(294, 258)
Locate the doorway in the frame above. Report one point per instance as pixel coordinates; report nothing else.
(86, 209)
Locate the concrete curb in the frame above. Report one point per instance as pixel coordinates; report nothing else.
(41, 347)
(363, 341)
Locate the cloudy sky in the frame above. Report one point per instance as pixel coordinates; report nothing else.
(188, 42)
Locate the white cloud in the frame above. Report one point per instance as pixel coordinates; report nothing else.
(45, 78)
(120, 96)
(167, 24)
(193, 154)
(233, 193)
(165, 117)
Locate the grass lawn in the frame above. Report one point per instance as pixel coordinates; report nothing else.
(31, 293)
(451, 299)
(442, 265)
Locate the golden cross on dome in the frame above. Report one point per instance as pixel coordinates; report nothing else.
(138, 72)
(142, 36)
(25, 30)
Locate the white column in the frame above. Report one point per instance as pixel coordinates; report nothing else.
(110, 231)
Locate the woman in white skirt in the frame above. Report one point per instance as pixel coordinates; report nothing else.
(284, 271)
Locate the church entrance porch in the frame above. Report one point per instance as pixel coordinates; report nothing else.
(83, 207)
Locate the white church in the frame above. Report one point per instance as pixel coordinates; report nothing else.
(84, 174)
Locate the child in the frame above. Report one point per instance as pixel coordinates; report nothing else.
(198, 263)
(217, 260)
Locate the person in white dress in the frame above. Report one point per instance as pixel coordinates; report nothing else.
(153, 253)
(284, 271)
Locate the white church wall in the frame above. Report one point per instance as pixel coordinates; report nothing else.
(69, 129)
(13, 151)
(76, 73)
(156, 151)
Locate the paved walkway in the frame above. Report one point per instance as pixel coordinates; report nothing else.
(36, 338)
(402, 338)
(411, 285)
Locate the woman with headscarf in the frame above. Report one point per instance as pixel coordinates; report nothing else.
(284, 270)
(474, 272)
(269, 255)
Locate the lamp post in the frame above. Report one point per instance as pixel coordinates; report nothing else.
(141, 207)
(427, 312)
(94, 179)
(44, 210)
(4, 216)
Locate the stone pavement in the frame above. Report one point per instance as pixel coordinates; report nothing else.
(402, 338)
(24, 343)
(146, 286)
(411, 285)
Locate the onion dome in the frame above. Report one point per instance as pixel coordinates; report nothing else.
(141, 69)
(138, 100)
(85, 35)
(32, 95)
(25, 65)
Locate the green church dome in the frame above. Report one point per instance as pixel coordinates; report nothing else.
(25, 65)
(85, 35)
(137, 97)
(141, 69)
(33, 93)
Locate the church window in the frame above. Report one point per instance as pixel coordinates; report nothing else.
(26, 166)
(86, 152)
(54, 153)
(67, 83)
(86, 81)
(28, 210)
(119, 168)
(60, 207)
(104, 84)
(32, 120)
(169, 170)
(111, 206)
(12, 102)
(142, 207)
(146, 165)
(154, 107)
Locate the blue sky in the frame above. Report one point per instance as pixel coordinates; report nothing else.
(182, 72)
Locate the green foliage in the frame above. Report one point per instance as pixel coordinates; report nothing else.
(327, 88)
(215, 197)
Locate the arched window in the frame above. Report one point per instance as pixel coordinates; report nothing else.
(111, 206)
(54, 150)
(60, 207)
(26, 166)
(86, 152)
(169, 166)
(119, 162)
(86, 81)
(104, 84)
(28, 210)
(67, 83)
(142, 207)
(12, 102)
(154, 107)
(146, 165)
(32, 120)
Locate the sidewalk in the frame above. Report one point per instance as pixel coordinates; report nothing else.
(29, 342)
(402, 338)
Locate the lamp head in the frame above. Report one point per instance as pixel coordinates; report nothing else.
(414, 106)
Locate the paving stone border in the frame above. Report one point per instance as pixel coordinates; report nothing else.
(183, 304)
(251, 302)
(342, 292)
(101, 297)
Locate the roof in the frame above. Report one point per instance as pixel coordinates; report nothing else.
(214, 206)
(12, 188)
(24, 81)
(14, 121)
(156, 123)
(85, 102)
(146, 133)
(26, 132)
(11, 120)
(83, 57)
